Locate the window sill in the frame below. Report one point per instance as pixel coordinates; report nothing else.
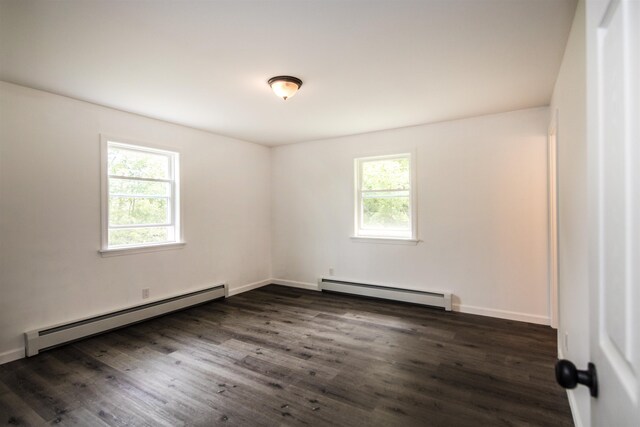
(385, 240)
(141, 249)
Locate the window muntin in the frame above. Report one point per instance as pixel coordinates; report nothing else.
(384, 199)
(142, 196)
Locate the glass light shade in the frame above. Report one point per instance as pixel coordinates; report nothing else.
(284, 89)
(285, 86)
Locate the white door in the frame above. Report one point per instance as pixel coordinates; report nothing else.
(613, 123)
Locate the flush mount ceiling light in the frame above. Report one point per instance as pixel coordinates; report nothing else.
(285, 86)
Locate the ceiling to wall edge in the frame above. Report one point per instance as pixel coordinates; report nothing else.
(213, 132)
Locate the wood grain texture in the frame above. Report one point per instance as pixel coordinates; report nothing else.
(278, 356)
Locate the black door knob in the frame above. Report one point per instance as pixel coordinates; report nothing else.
(569, 377)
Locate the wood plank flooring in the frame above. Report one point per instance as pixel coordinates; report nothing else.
(277, 356)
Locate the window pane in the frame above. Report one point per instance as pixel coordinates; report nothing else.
(138, 210)
(134, 236)
(139, 188)
(388, 174)
(137, 164)
(386, 213)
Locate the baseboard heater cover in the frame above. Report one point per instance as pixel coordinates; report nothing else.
(433, 299)
(52, 336)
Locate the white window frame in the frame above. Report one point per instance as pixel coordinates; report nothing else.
(361, 235)
(174, 157)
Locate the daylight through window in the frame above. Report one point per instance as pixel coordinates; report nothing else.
(142, 194)
(384, 202)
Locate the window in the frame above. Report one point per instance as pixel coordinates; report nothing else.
(141, 196)
(384, 197)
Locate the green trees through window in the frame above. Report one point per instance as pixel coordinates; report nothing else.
(384, 196)
(141, 200)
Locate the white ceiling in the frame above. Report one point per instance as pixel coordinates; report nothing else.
(366, 65)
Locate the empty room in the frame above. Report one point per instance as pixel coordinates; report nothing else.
(320, 213)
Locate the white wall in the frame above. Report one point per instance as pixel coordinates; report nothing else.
(50, 270)
(482, 212)
(569, 99)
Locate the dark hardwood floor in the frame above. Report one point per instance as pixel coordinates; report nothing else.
(280, 356)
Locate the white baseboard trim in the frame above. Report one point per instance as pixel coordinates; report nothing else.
(11, 355)
(250, 286)
(502, 314)
(19, 353)
(490, 312)
(294, 284)
(577, 421)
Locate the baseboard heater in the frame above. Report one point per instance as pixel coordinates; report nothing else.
(433, 299)
(53, 336)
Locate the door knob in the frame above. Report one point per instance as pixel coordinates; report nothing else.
(569, 377)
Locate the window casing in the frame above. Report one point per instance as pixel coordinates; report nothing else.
(384, 197)
(140, 196)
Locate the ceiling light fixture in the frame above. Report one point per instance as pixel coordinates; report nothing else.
(285, 86)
